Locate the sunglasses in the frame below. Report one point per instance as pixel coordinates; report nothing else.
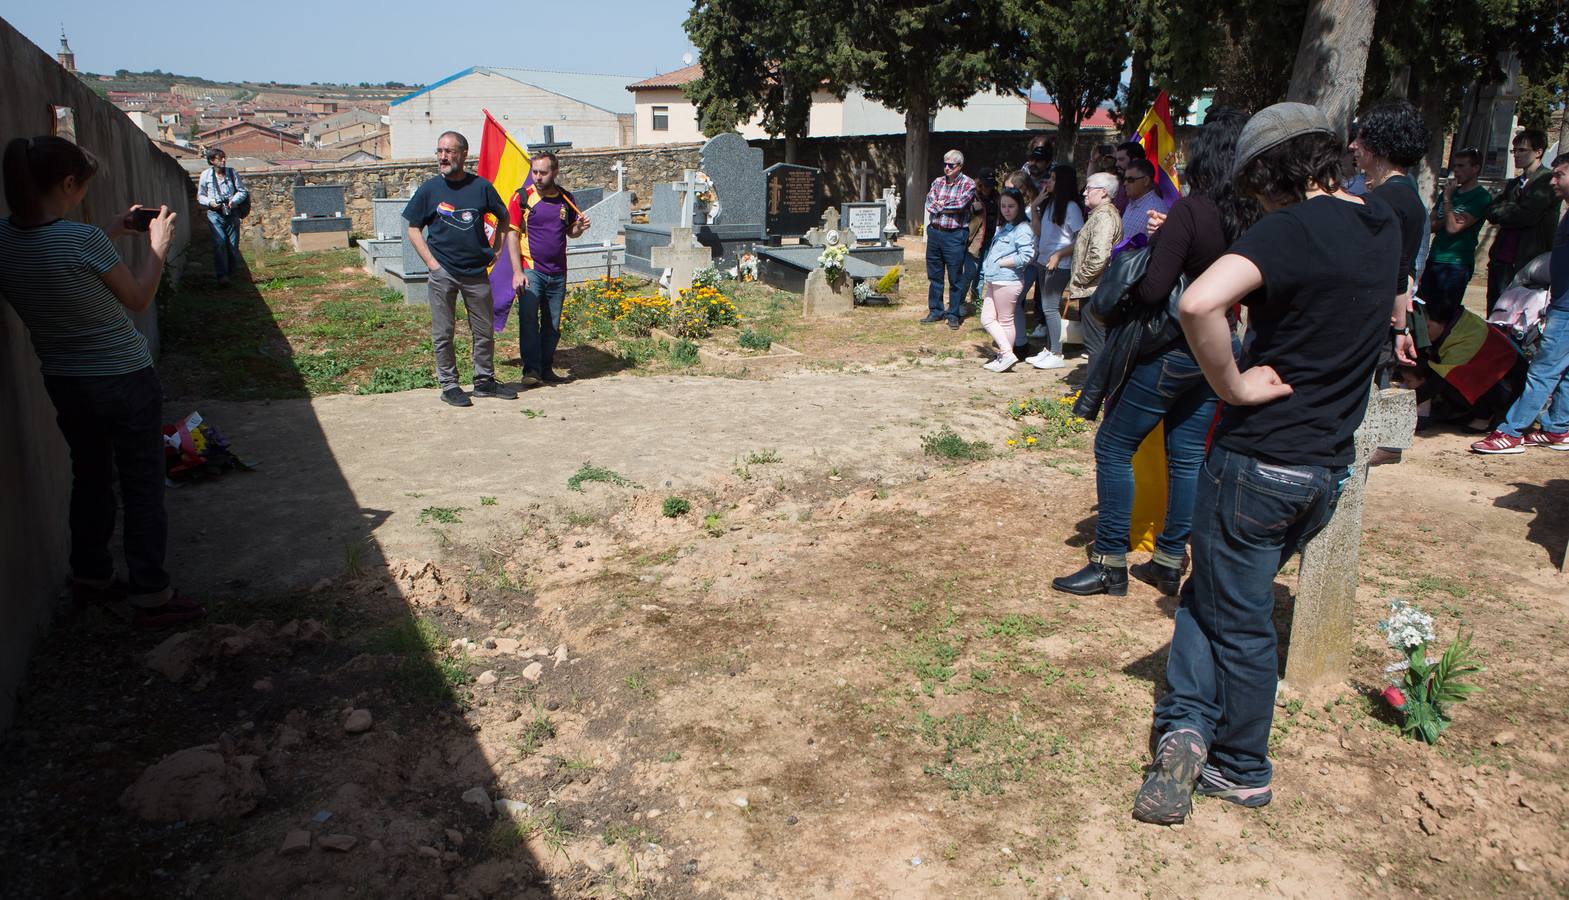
(1135, 178)
(950, 165)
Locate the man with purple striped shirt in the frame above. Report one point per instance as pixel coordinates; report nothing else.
(948, 207)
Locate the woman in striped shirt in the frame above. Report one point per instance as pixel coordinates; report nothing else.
(67, 284)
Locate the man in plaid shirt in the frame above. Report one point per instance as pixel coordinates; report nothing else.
(948, 207)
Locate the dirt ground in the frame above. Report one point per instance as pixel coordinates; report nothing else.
(435, 669)
(839, 674)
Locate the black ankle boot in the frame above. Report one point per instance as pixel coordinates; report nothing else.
(1095, 578)
(1166, 579)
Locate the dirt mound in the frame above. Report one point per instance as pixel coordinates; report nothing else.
(195, 785)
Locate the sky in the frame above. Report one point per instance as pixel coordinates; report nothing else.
(350, 42)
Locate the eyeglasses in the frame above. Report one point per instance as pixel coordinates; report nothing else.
(1135, 178)
(950, 165)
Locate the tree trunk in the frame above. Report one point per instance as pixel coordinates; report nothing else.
(792, 148)
(1563, 122)
(917, 146)
(1068, 135)
(1332, 58)
(1138, 100)
(1435, 110)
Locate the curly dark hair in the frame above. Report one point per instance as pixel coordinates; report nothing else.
(1395, 131)
(1283, 173)
(1211, 154)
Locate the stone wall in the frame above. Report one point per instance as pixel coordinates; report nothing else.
(272, 197)
(34, 462)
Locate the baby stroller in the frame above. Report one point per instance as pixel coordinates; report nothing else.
(1522, 307)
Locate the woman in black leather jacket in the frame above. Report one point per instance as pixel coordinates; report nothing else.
(1166, 387)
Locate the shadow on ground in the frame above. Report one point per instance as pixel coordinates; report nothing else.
(307, 739)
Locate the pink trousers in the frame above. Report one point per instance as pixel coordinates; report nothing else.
(997, 311)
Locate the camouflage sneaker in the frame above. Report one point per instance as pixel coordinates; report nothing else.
(1166, 797)
(1213, 784)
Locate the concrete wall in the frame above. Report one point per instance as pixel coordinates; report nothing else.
(854, 116)
(522, 108)
(34, 464)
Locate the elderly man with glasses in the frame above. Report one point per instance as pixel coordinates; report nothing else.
(948, 207)
(1143, 199)
(1526, 214)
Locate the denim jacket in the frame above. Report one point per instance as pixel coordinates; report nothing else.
(1015, 240)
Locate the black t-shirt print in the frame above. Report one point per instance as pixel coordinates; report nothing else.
(1319, 321)
(453, 216)
(1400, 193)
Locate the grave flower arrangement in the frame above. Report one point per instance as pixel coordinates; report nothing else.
(832, 261)
(1424, 689)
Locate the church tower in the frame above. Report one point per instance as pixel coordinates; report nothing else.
(65, 57)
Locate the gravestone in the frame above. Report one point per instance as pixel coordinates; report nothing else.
(586, 197)
(817, 235)
(319, 222)
(794, 199)
(1323, 621)
(862, 223)
(823, 298)
(387, 217)
(682, 257)
(605, 219)
(729, 227)
(620, 168)
(736, 169)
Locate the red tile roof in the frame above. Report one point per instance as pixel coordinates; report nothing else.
(678, 78)
(1101, 118)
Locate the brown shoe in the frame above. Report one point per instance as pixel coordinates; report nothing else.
(177, 610)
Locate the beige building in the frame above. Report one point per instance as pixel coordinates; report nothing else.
(586, 110)
(664, 115)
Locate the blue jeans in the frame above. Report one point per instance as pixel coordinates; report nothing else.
(225, 243)
(945, 253)
(970, 278)
(1546, 381)
(539, 320)
(1249, 517)
(1443, 286)
(1171, 389)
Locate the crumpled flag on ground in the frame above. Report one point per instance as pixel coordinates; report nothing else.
(194, 449)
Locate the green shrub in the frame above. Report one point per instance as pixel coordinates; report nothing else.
(755, 340)
(675, 506)
(947, 444)
(392, 379)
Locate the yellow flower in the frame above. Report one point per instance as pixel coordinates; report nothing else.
(1012, 442)
(1029, 440)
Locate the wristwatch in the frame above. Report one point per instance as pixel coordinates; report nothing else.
(1403, 329)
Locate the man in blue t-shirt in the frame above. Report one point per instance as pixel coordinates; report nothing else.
(1545, 398)
(446, 219)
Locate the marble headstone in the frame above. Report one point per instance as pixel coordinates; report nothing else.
(793, 197)
(736, 169)
(863, 221)
(388, 217)
(605, 219)
(318, 200)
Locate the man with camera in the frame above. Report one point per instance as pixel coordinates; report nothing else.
(221, 193)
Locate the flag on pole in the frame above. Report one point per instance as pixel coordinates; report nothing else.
(1159, 140)
(505, 164)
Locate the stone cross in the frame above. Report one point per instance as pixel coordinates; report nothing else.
(862, 171)
(689, 188)
(1323, 622)
(682, 257)
(620, 169)
(823, 298)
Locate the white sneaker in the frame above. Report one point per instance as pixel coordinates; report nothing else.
(1039, 333)
(1047, 360)
(1001, 363)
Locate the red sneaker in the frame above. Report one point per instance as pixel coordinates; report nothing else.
(1498, 442)
(177, 610)
(1552, 440)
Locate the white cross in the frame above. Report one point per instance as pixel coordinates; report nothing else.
(689, 188)
(620, 169)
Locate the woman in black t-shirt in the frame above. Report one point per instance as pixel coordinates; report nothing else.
(1390, 139)
(1315, 273)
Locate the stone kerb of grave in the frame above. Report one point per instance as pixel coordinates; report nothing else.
(683, 257)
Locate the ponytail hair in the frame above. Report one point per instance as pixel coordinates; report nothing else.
(33, 166)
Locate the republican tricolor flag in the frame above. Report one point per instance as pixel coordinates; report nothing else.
(1158, 138)
(504, 163)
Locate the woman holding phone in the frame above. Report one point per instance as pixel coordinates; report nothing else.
(69, 287)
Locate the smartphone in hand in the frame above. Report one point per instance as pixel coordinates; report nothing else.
(140, 219)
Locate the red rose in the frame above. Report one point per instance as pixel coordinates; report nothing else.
(1394, 697)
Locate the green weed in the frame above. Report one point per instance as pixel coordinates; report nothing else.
(590, 472)
(947, 444)
(445, 515)
(675, 506)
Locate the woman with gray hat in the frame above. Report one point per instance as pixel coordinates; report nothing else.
(1315, 273)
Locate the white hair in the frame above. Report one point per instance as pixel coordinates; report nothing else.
(1103, 180)
(953, 156)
